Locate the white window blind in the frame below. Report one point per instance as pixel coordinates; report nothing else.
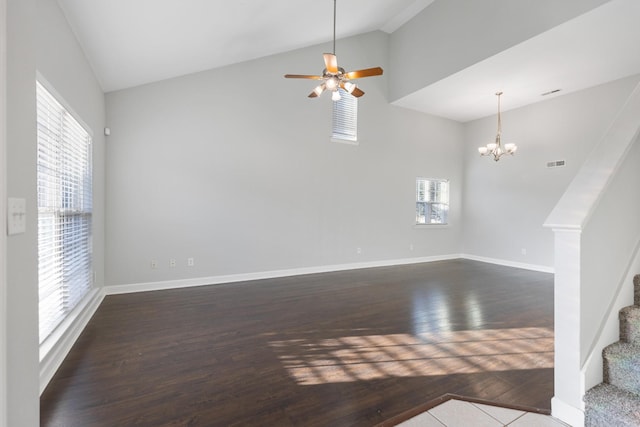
(345, 117)
(432, 201)
(64, 211)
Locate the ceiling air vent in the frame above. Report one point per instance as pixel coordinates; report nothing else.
(550, 92)
(555, 164)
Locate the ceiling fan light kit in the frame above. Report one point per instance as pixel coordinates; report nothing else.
(496, 149)
(334, 77)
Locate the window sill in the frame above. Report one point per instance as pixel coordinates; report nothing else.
(430, 226)
(55, 347)
(344, 141)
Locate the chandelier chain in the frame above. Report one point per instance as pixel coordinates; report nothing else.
(499, 117)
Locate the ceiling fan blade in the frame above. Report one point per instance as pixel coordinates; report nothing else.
(369, 72)
(302, 76)
(352, 89)
(357, 92)
(331, 63)
(317, 91)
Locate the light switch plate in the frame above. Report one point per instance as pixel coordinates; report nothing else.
(16, 215)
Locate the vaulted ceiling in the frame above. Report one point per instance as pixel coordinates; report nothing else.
(130, 43)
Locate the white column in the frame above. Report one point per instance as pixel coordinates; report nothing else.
(567, 404)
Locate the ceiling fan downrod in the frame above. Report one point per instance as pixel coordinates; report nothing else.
(334, 26)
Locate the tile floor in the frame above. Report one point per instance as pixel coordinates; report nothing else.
(458, 413)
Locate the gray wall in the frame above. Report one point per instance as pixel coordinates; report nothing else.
(39, 39)
(22, 267)
(61, 61)
(234, 168)
(506, 203)
(451, 35)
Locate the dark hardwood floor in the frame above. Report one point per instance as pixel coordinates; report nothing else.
(348, 348)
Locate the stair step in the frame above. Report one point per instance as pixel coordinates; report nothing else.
(630, 324)
(607, 405)
(622, 366)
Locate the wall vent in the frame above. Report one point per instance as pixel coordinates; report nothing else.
(555, 164)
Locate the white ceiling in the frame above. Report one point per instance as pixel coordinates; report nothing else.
(594, 48)
(130, 43)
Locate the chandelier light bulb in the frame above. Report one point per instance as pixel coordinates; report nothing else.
(335, 95)
(318, 90)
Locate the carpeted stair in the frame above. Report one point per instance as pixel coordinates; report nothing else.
(616, 401)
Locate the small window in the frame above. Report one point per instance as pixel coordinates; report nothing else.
(345, 118)
(432, 201)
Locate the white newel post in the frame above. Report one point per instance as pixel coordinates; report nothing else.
(567, 404)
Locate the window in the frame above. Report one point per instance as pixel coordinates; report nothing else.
(432, 201)
(64, 211)
(345, 118)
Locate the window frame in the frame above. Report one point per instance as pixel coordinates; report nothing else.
(446, 203)
(64, 214)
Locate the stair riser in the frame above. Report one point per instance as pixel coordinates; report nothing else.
(629, 327)
(616, 401)
(624, 374)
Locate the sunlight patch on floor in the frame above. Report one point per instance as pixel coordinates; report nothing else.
(371, 357)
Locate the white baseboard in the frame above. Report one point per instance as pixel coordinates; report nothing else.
(534, 267)
(567, 413)
(55, 348)
(243, 277)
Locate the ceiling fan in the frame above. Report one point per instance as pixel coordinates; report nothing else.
(334, 77)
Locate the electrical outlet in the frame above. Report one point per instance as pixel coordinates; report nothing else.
(172, 262)
(523, 251)
(154, 263)
(411, 247)
(190, 262)
(359, 250)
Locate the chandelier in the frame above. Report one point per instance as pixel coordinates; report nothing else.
(496, 149)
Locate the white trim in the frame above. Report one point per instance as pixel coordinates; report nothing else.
(506, 263)
(567, 413)
(52, 90)
(273, 274)
(243, 277)
(3, 210)
(56, 347)
(344, 141)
